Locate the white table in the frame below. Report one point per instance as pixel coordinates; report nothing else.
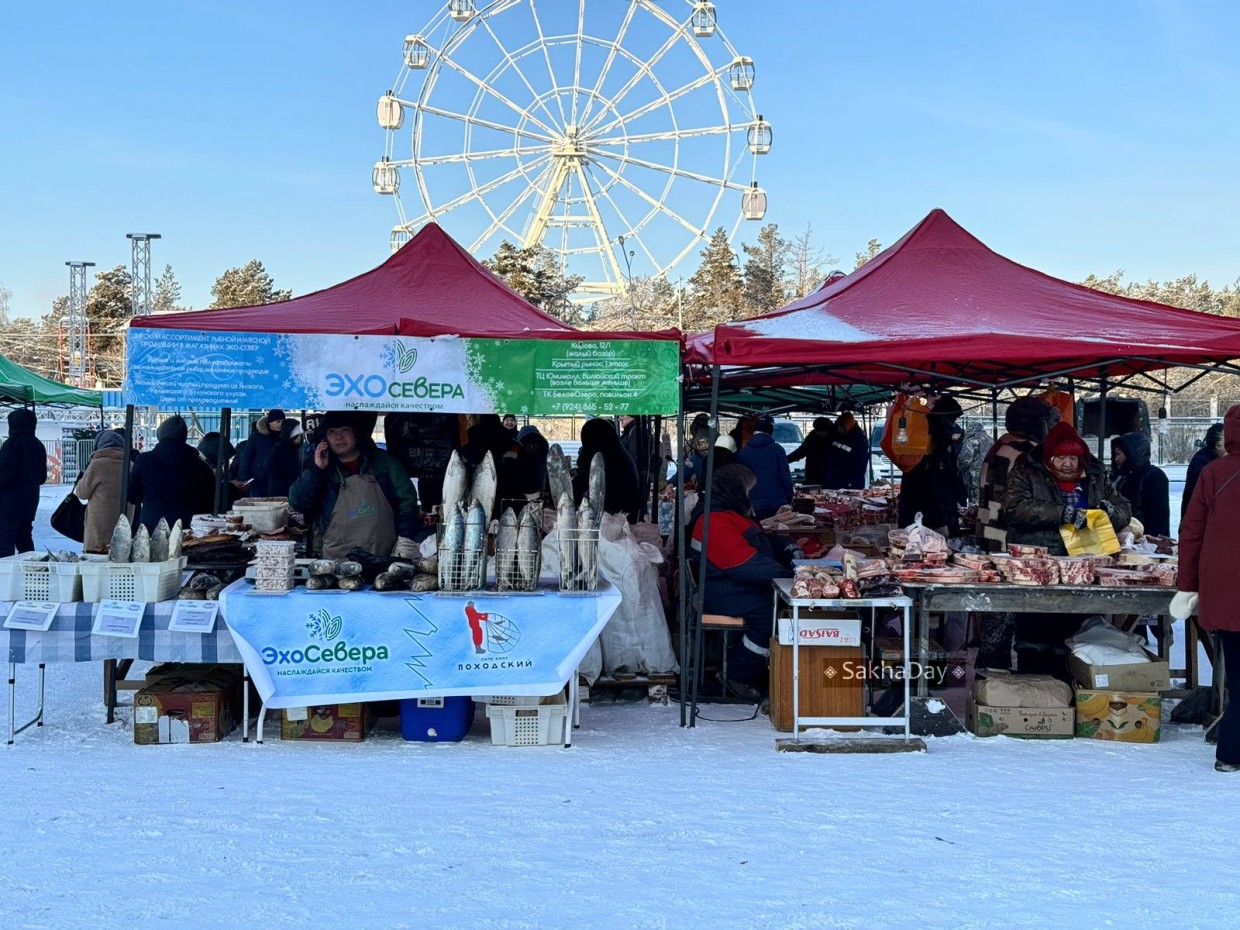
(783, 592)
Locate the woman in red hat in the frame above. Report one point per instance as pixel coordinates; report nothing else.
(1051, 487)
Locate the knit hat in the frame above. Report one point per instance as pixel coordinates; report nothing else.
(173, 428)
(726, 442)
(109, 439)
(1063, 439)
(275, 414)
(764, 424)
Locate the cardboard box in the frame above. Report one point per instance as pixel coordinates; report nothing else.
(1119, 716)
(1022, 722)
(326, 723)
(198, 708)
(1154, 675)
(823, 628)
(831, 683)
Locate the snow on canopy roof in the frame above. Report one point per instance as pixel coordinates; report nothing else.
(940, 302)
(432, 286)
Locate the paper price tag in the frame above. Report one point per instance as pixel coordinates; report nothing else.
(32, 615)
(194, 616)
(118, 618)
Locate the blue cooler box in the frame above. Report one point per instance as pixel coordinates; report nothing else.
(436, 720)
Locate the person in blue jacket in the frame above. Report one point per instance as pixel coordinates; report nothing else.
(767, 460)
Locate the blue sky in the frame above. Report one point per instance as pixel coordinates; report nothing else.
(1074, 137)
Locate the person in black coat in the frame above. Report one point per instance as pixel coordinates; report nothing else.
(172, 480)
(1210, 450)
(849, 458)
(271, 459)
(209, 449)
(933, 487)
(536, 450)
(1144, 485)
(637, 437)
(815, 449)
(622, 493)
(23, 467)
(423, 443)
(513, 475)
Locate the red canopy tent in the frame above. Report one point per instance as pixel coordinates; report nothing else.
(939, 305)
(430, 287)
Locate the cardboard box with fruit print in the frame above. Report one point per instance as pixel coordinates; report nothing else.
(326, 723)
(1119, 716)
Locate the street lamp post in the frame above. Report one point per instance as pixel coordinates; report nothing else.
(628, 265)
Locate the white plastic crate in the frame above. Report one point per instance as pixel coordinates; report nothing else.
(22, 579)
(543, 725)
(507, 700)
(146, 582)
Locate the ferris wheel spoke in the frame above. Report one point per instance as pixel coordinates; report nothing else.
(607, 63)
(581, 25)
(470, 156)
(477, 192)
(542, 104)
(665, 100)
(486, 123)
(484, 86)
(498, 222)
(628, 226)
(667, 169)
(542, 41)
(600, 229)
(658, 205)
(665, 136)
(644, 69)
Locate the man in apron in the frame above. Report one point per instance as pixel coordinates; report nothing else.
(360, 495)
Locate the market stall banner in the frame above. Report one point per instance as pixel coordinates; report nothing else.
(174, 368)
(308, 647)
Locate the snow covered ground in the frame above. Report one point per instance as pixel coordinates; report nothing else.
(641, 824)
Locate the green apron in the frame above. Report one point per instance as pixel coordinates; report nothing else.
(362, 517)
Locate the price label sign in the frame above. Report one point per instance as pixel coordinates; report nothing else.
(118, 618)
(194, 616)
(32, 615)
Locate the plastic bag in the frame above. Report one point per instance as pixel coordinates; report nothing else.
(922, 539)
(1097, 538)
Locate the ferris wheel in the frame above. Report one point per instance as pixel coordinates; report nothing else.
(619, 135)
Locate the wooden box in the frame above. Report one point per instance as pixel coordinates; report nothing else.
(832, 679)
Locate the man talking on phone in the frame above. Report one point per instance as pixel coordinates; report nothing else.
(359, 495)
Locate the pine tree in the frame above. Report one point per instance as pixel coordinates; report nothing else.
(167, 296)
(247, 286)
(873, 247)
(109, 307)
(765, 289)
(716, 288)
(536, 275)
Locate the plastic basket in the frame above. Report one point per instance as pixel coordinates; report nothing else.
(22, 579)
(543, 725)
(146, 582)
(508, 700)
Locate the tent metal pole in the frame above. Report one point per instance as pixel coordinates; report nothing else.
(653, 437)
(994, 411)
(682, 585)
(707, 482)
(221, 473)
(126, 458)
(1102, 416)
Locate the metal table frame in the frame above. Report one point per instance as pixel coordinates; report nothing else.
(1028, 599)
(783, 592)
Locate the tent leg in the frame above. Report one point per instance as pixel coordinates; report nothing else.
(1102, 416)
(221, 473)
(707, 482)
(682, 586)
(126, 460)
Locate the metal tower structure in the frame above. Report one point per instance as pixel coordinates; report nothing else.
(140, 272)
(76, 326)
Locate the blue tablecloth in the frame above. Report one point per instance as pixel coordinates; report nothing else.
(305, 648)
(69, 639)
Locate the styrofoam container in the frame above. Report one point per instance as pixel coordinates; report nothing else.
(146, 582)
(22, 579)
(544, 725)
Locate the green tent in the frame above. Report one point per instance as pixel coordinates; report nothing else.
(21, 385)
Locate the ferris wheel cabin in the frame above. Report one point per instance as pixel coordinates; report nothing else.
(385, 178)
(461, 10)
(703, 20)
(753, 203)
(417, 53)
(391, 113)
(740, 73)
(759, 136)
